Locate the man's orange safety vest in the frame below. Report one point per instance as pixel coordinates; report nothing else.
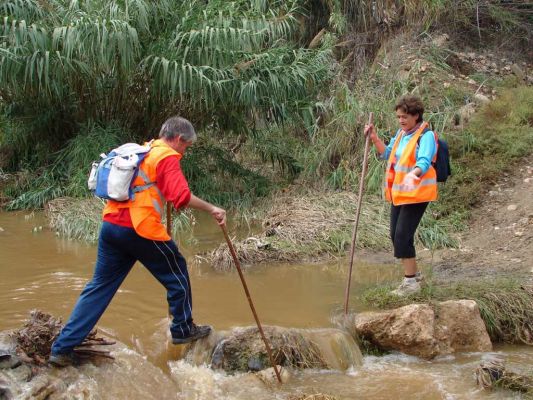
(146, 208)
(425, 190)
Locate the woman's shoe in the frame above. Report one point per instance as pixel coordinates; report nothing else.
(407, 287)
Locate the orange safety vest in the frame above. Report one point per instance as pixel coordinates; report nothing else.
(147, 206)
(426, 188)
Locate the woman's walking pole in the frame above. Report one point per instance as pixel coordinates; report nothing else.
(354, 236)
(238, 265)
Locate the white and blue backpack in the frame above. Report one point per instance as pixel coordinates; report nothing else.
(112, 178)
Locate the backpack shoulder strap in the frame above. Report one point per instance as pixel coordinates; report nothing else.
(436, 142)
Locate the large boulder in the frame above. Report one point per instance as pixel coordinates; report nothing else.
(459, 327)
(243, 349)
(426, 331)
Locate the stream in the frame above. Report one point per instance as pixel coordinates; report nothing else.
(40, 270)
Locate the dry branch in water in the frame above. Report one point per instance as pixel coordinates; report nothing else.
(35, 338)
(492, 373)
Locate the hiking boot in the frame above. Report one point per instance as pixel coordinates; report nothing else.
(64, 360)
(197, 332)
(407, 287)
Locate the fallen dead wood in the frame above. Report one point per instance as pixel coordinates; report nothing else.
(35, 338)
(492, 374)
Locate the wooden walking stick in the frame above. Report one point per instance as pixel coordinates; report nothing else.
(169, 218)
(169, 232)
(358, 210)
(238, 265)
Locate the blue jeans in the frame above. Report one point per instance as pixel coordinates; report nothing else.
(118, 249)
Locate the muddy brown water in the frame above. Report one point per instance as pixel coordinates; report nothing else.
(41, 270)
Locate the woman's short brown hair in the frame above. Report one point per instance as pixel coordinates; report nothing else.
(412, 105)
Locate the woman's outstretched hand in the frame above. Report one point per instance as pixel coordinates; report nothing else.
(410, 181)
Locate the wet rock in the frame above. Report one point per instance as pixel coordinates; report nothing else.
(409, 329)
(424, 331)
(255, 364)
(243, 349)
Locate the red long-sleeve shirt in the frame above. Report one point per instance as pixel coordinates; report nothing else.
(172, 184)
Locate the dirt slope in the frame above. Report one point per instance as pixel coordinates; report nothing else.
(499, 240)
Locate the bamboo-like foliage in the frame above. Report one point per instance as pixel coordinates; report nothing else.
(230, 67)
(22, 9)
(115, 60)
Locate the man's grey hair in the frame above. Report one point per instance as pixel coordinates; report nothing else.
(177, 126)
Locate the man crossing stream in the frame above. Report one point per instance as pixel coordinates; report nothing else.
(133, 231)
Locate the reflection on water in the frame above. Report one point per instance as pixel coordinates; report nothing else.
(40, 270)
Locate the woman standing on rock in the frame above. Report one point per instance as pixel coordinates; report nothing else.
(410, 182)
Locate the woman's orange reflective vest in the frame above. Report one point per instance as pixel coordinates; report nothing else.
(147, 206)
(425, 190)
